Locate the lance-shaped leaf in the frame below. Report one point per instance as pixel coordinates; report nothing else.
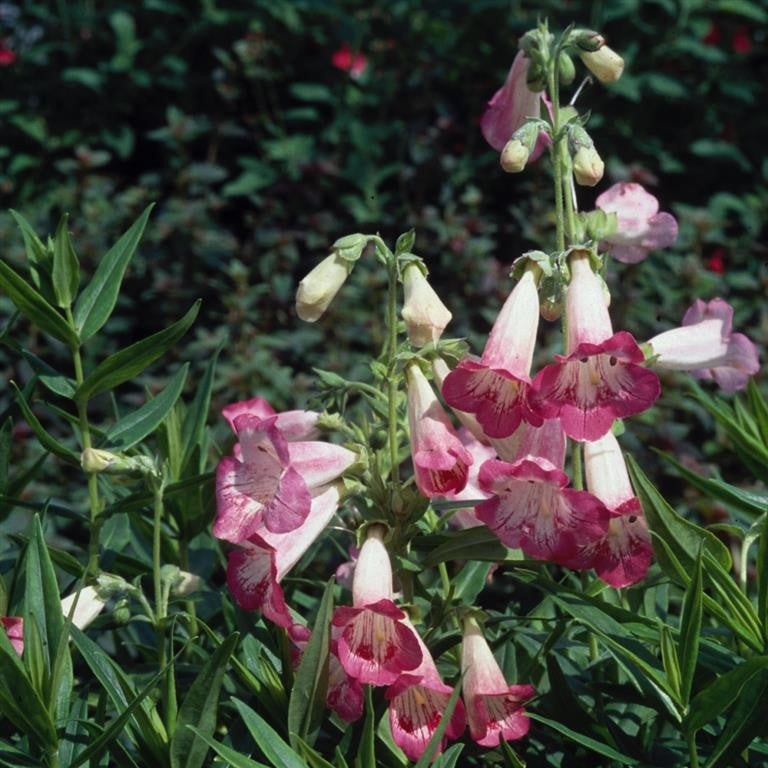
(33, 306)
(95, 304)
(690, 630)
(233, 758)
(267, 739)
(434, 743)
(129, 362)
(66, 268)
(40, 258)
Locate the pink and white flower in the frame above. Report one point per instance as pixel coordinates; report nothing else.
(375, 646)
(440, 459)
(14, 628)
(601, 378)
(510, 107)
(270, 479)
(494, 708)
(623, 554)
(532, 509)
(641, 227)
(495, 387)
(706, 346)
(257, 566)
(417, 702)
(424, 314)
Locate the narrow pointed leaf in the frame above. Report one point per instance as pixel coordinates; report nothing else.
(307, 701)
(34, 307)
(129, 362)
(690, 630)
(478, 543)
(670, 660)
(762, 577)
(450, 757)
(134, 427)
(267, 739)
(39, 257)
(434, 743)
(54, 380)
(366, 751)
(66, 269)
(193, 428)
(95, 304)
(234, 758)
(199, 709)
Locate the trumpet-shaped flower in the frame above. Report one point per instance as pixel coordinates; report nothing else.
(293, 425)
(424, 314)
(532, 509)
(417, 702)
(641, 227)
(494, 708)
(440, 459)
(706, 346)
(601, 378)
(14, 628)
(256, 568)
(271, 480)
(510, 107)
(375, 646)
(623, 554)
(495, 387)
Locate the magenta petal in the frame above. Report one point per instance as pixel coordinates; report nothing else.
(500, 715)
(661, 232)
(257, 407)
(239, 512)
(345, 693)
(289, 507)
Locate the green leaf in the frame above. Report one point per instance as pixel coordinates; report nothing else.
(199, 709)
(267, 739)
(48, 442)
(95, 304)
(134, 427)
(718, 696)
(478, 543)
(40, 259)
(33, 306)
(306, 704)
(66, 268)
(670, 659)
(585, 741)
(193, 428)
(511, 758)
(313, 758)
(762, 577)
(129, 362)
(234, 758)
(57, 382)
(450, 757)
(434, 743)
(681, 536)
(690, 630)
(759, 408)
(366, 750)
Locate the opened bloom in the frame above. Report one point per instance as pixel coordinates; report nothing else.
(440, 459)
(424, 313)
(601, 378)
(375, 646)
(706, 346)
(495, 387)
(257, 566)
(641, 226)
(494, 708)
(417, 701)
(270, 479)
(510, 107)
(623, 554)
(532, 509)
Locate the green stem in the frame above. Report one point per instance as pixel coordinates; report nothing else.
(692, 751)
(570, 213)
(393, 381)
(577, 474)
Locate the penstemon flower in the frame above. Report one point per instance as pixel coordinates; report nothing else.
(494, 708)
(641, 226)
(706, 346)
(601, 378)
(440, 459)
(417, 701)
(425, 316)
(623, 554)
(375, 646)
(495, 387)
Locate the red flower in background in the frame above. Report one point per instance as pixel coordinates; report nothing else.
(713, 35)
(7, 56)
(350, 61)
(716, 262)
(741, 42)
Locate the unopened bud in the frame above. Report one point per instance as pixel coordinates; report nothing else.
(424, 313)
(186, 584)
(350, 247)
(587, 39)
(567, 68)
(605, 64)
(514, 156)
(317, 290)
(94, 460)
(588, 166)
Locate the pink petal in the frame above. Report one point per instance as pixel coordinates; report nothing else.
(318, 462)
(14, 628)
(239, 502)
(290, 505)
(500, 715)
(345, 693)
(257, 407)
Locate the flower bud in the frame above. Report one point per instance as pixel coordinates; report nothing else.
(587, 39)
(567, 68)
(317, 290)
(588, 166)
(424, 314)
(94, 460)
(514, 156)
(605, 64)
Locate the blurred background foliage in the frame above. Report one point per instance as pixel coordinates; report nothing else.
(265, 130)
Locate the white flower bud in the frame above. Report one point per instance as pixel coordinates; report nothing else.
(514, 156)
(317, 290)
(588, 166)
(604, 63)
(424, 314)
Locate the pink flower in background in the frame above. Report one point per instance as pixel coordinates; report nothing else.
(7, 55)
(14, 628)
(440, 460)
(706, 346)
(495, 387)
(601, 378)
(375, 646)
(347, 60)
(256, 568)
(509, 108)
(270, 479)
(494, 708)
(623, 554)
(641, 227)
(417, 701)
